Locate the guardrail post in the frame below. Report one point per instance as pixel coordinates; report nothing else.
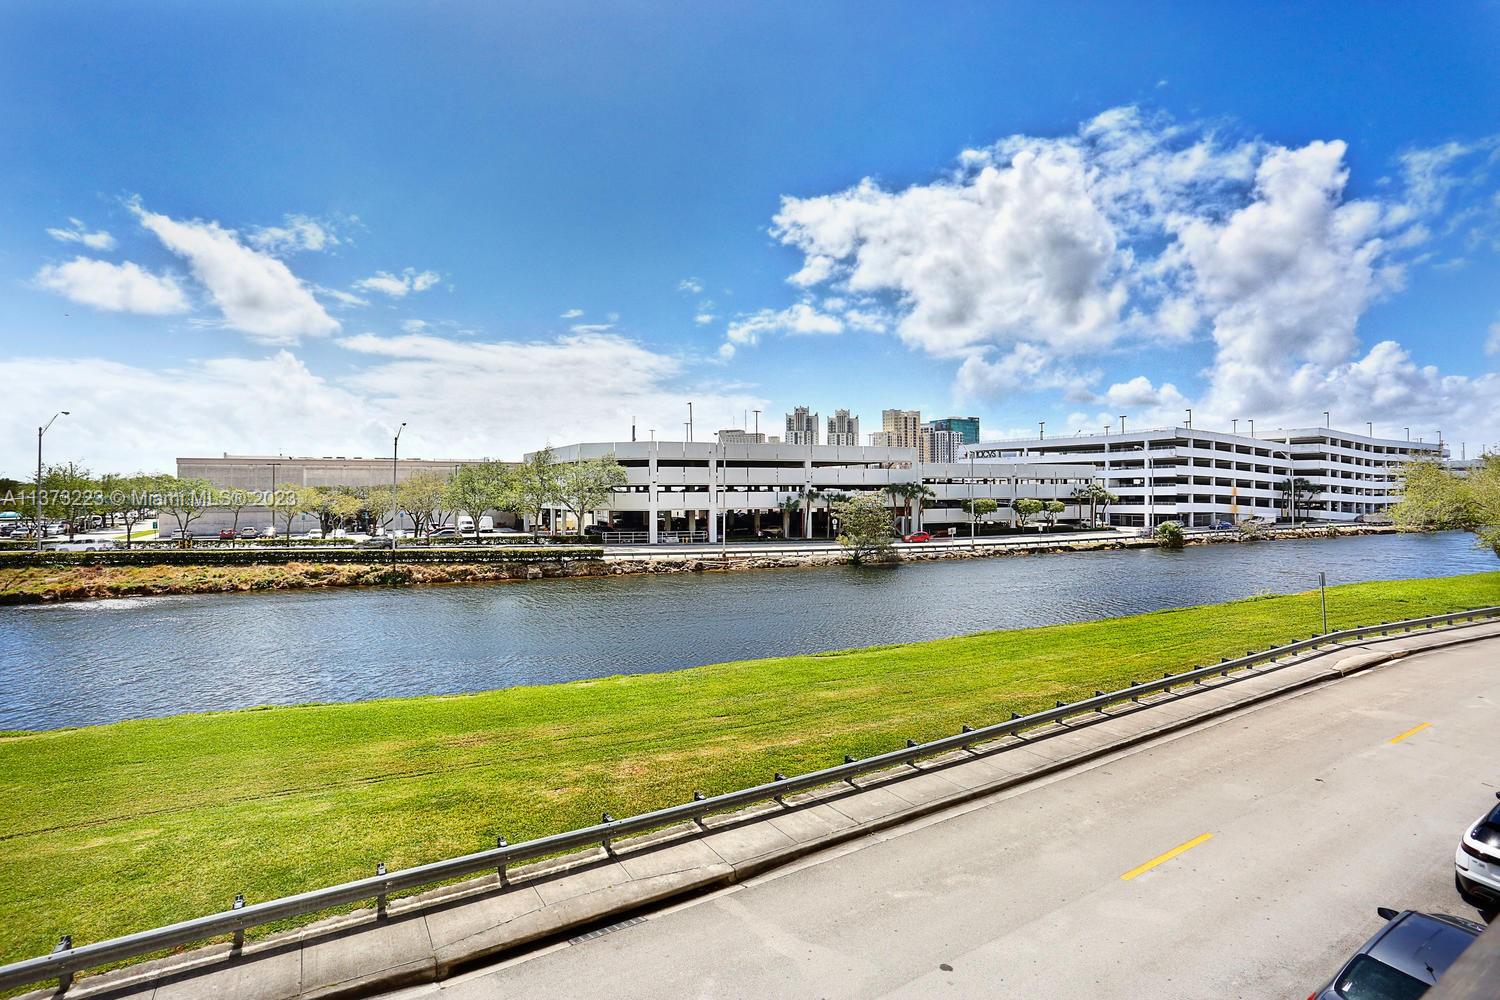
(500, 869)
(912, 763)
(777, 798)
(64, 943)
(699, 797)
(849, 780)
(239, 935)
(608, 847)
(380, 899)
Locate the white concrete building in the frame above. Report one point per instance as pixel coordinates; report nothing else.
(686, 491)
(1199, 477)
(939, 445)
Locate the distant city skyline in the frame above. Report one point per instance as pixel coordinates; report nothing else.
(271, 229)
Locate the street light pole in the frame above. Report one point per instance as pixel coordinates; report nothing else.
(395, 504)
(36, 520)
(272, 505)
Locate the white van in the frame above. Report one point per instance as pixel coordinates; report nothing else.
(465, 524)
(486, 523)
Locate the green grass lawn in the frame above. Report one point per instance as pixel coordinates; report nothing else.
(122, 827)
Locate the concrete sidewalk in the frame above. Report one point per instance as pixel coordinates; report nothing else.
(430, 936)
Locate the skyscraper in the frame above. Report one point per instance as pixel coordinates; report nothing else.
(801, 426)
(904, 426)
(843, 429)
(939, 445)
(966, 427)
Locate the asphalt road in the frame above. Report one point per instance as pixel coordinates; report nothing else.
(1291, 824)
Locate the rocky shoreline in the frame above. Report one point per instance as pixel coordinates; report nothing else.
(44, 586)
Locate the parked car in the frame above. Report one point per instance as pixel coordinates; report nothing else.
(250, 531)
(918, 536)
(442, 534)
(1477, 862)
(1404, 958)
(313, 533)
(1223, 525)
(228, 534)
(377, 542)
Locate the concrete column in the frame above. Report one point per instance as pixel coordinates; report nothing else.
(713, 496)
(807, 489)
(653, 511)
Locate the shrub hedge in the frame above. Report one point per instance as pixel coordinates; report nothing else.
(262, 557)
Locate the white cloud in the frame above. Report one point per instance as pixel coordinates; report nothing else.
(346, 300)
(123, 287)
(801, 318)
(690, 285)
(77, 232)
(461, 399)
(414, 326)
(296, 233)
(255, 292)
(572, 314)
(1138, 233)
(703, 319)
(398, 286)
(588, 328)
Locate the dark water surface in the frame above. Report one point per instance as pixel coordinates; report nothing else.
(102, 661)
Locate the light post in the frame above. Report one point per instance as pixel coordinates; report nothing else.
(1190, 418)
(395, 504)
(1370, 427)
(1408, 434)
(1041, 430)
(972, 516)
(690, 421)
(37, 499)
(1235, 422)
(1327, 420)
(1252, 427)
(1122, 423)
(272, 505)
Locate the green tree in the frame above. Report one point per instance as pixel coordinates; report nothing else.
(67, 494)
(421, 497)
(537, 486)
(234, 501)
(1433, 498)
(864, 527)
(788, 506)
(183, 499)
(1298, 494)
(1097, 497)
(583, 487)
(127, 499)
(481, 487)
(1026, 508)
(1052, 509)
(1169, 535)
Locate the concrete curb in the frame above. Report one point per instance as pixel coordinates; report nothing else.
(428, 937)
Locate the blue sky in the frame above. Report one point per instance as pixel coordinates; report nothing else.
(299, 224)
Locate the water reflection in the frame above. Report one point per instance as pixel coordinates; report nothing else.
(81, 664)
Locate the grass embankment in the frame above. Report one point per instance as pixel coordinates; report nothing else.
(122, 827)
(45, 584)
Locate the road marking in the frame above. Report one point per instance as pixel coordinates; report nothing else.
(1163, 858)
(1414, 730)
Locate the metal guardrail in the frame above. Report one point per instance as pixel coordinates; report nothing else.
(65, 960)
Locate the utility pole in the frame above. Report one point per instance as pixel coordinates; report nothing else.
(274, 467)
(395, 504)
(36, 520)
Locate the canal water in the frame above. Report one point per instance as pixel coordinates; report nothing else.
(103, 661)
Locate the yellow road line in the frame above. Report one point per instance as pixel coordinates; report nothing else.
(1414, 730)
(1162, 858)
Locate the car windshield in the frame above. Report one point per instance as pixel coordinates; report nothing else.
(1371, 979)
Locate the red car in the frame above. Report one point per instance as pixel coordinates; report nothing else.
(920, 536)
(227, 534)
